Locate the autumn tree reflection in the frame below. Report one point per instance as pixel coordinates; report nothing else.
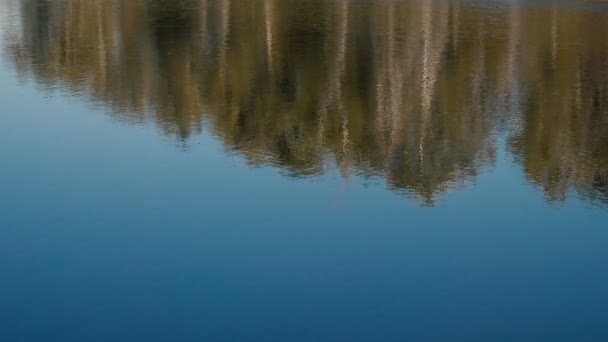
(413, 92)
(563, 139)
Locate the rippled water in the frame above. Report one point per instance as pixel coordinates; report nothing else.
(303, 170)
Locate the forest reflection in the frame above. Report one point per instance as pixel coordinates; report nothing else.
(418, 93)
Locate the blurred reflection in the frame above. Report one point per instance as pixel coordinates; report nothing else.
(413, 92)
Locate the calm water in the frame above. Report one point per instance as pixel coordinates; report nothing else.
(303, 170)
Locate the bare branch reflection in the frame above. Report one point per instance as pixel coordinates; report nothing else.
(413, 92)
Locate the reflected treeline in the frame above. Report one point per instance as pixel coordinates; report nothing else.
(413, 92)
(563, 139)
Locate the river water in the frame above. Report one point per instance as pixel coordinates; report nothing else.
(303, 170)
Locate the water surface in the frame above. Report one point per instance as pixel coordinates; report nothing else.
(303, 170)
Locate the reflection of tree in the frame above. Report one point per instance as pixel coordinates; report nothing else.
(563, 141)
(407, 91)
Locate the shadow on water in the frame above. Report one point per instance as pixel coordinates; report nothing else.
(414, 92)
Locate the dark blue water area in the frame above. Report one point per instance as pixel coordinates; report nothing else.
(112, 232)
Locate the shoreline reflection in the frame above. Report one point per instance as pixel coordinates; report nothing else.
(413, 92)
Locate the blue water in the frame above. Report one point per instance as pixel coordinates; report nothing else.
(112, 231)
